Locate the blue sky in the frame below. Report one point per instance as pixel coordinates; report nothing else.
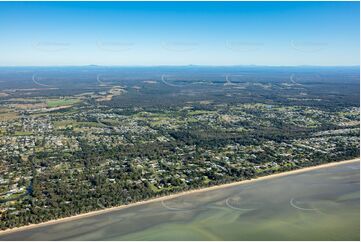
(179, 33)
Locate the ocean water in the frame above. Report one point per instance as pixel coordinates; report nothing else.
(322, 204)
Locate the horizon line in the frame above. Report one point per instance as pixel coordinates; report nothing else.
(190, 65)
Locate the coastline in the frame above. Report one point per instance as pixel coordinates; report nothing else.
(168, 197)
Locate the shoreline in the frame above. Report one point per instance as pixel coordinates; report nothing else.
(168, 197)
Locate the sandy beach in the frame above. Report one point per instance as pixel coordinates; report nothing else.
(102, 211)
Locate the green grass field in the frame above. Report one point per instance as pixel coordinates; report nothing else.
(53, 103)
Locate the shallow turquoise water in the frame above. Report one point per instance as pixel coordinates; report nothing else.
(316, 205)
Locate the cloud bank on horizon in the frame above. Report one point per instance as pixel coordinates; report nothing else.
(179, 33)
